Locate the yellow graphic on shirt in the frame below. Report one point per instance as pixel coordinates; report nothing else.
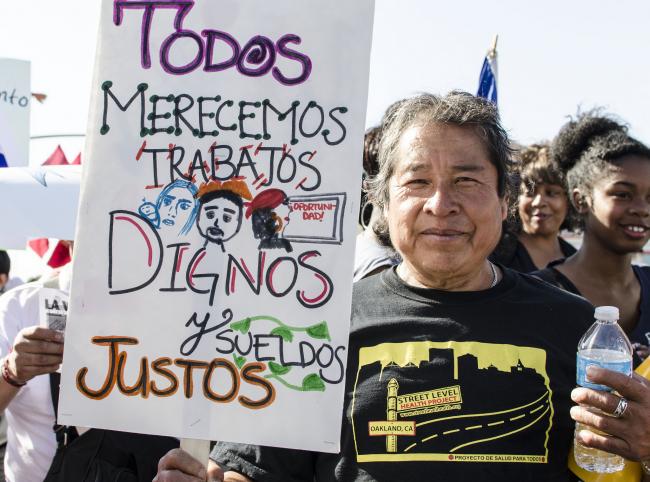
(438, 400)
(438, 422)
(390, 428)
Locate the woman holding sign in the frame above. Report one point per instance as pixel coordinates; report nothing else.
(456, 367)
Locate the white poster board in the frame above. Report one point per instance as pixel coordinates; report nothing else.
(15, 99)
(216, 127)
(39, 202)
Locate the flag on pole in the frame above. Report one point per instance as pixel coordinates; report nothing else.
(487, 82)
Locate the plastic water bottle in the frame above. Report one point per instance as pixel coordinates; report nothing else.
(605, 345)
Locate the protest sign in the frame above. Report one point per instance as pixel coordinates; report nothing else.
(212, 274)
(15, 95)
(38, 202)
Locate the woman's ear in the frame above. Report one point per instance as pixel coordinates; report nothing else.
(580, 201)
(505, 203)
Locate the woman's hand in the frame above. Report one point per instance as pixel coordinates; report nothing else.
(36, 351)
(629, 434)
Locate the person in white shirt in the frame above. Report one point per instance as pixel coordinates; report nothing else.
(29, 353)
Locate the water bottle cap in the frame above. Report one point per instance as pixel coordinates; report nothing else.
(607, 313)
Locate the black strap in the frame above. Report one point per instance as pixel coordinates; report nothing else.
(64, 434)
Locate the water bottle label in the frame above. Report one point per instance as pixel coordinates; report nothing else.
(623, 366)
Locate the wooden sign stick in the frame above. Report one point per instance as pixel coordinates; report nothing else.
(199, 449)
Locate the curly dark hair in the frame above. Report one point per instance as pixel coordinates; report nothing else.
(370, 168)
(537, 166)
(455, 108)
(534, 165)
(370, 150)
(588, 146)
(5, 263)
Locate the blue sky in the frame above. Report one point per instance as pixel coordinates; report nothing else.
(553, 56)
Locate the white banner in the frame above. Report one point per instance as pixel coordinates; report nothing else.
(38, 202)
(15, 97)
(213, 266)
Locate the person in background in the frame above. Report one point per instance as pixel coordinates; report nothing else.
(29, 354)
(608, 176)
(504, 342)
(6, 281)
(531, 240)
(371, 256)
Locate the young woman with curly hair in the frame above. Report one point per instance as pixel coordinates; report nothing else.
(608, 175)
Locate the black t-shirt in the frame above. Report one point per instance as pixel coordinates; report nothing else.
(641, 332)
(460, 386)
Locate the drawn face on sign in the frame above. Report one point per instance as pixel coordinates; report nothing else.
(149, 211)
(283, 212)
(269, 223)
(269, 211)
(175, 207)
(220, 216)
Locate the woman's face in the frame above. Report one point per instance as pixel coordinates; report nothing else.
(542, 208)
(618, 211)
(444, 212)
